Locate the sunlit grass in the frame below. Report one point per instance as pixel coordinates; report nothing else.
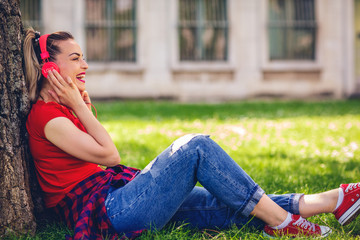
(304, 147)
(299, 145)
(285, 146)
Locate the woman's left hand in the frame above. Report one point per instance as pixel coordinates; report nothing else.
(86, 98)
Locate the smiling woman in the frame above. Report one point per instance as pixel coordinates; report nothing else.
(72, 63)
(68, 144)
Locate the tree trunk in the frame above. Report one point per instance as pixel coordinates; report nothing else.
(16, 206)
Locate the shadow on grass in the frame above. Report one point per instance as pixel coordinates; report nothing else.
(155, 110)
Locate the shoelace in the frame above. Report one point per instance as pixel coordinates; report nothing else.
(305, 224)
(351, 186)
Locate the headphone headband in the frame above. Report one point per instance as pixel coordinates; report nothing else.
(47, 66)
(42, 42)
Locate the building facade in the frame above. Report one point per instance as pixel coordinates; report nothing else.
(210, 50)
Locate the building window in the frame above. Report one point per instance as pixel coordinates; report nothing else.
(292, 29)
(111, 28)
(203, 30)
(31, 14)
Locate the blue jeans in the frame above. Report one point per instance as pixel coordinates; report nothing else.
(165, 191)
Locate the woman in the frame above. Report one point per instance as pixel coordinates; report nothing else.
(68, 144)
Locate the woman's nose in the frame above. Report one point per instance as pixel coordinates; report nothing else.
(84, 64)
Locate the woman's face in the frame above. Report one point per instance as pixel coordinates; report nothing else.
(71, 62)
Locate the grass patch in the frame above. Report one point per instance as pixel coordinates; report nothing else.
(285, 146)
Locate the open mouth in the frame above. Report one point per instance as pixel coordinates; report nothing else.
(81, 77)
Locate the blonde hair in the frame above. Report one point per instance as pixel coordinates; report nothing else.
(33, 63)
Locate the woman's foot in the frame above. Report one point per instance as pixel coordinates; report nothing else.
(298, 226)
(349, 203)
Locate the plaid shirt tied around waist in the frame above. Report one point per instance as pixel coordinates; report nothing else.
(83, 208)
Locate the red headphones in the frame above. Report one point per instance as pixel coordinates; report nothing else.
(45, 57)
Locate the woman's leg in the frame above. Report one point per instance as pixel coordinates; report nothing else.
(202, 210)
(314, 204)
(154, 196)
(268, 211)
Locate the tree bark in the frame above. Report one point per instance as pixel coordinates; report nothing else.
(16, 206)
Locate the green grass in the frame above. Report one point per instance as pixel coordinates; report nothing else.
(285, 146)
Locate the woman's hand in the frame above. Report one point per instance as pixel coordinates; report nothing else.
(85, 96)
(65, 91)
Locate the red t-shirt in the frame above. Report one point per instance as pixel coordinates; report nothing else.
(57, 171)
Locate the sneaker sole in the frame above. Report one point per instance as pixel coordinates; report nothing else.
(350, 214)
(267, 235)
(326, 234)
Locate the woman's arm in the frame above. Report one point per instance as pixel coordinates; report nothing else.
(94, 146)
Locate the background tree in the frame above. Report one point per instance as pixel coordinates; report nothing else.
(16, 206)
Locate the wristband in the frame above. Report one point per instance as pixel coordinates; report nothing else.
(92, 106)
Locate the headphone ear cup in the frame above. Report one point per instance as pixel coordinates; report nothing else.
(47, 67)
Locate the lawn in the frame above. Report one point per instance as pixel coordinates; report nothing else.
(285, 146)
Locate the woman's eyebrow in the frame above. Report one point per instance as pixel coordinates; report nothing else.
(78, 54)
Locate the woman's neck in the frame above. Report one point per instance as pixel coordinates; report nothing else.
(45, 95)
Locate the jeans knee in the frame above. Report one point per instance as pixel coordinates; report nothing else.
(190, 139)
(201, 140)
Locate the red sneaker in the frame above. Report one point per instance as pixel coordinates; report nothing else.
(349, 209)
(298, 227)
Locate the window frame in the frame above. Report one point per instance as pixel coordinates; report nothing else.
(269, 65)
(110, 59)
(198, 66)
(199, 25)
(288, 28)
